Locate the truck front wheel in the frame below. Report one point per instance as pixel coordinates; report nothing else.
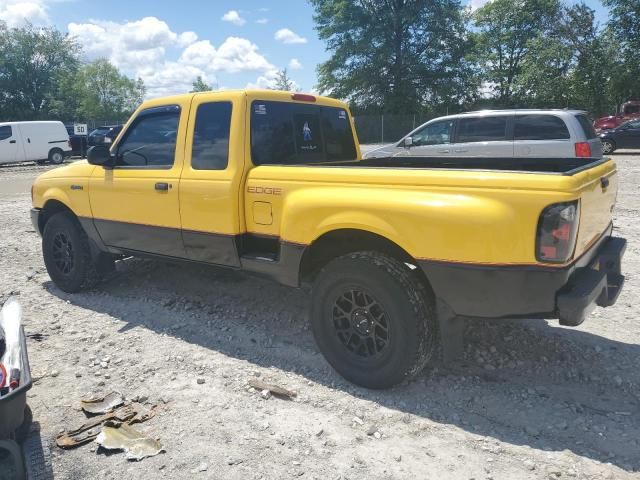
(67, 254)
(373, 319)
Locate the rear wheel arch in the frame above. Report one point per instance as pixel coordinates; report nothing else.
(338, 243)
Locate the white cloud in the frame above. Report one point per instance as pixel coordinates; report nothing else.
(139, 48)
(232, 16)
(294, 64)
(262, 21)
(476, 4)
(16, 13)
(285, 35)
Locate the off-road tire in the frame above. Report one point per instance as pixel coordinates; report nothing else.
(56, 156)
(83, 272)
(408, 309)
(608, 147)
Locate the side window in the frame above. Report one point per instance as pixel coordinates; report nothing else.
(298, 134)
(587, 127)
(211, 136)
(151, 140)
(540, 127)
(482, 129)
(434, 134)
(5, 132)
(635, 124)
(632, 109)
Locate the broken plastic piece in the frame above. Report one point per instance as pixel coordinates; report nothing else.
(274, 389)
(104, 404)
(120, 436)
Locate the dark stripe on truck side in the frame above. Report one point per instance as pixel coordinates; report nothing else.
(58, 141)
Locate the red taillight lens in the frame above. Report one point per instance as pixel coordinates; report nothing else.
(557, 232)
(303, 97)
(583, 150)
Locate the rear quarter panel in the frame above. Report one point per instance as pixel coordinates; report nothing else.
(459, 216)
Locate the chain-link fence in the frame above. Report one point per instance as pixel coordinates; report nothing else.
(387, 128)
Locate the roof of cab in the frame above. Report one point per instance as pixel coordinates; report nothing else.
(252, 94)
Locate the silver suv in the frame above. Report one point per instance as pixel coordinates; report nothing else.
(501, 133)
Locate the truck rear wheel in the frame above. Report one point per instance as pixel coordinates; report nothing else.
(373, 319)
(67, 254)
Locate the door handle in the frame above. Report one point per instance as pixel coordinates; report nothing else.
(461, 150)
(162, 187)
(12, 141)
(28, 140)
(604, 182)
(443, 151)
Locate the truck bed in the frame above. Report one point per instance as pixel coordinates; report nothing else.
(561, 166)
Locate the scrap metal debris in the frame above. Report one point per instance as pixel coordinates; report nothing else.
(102, 405)
(274, 389)
(129, 414)
(120, 436)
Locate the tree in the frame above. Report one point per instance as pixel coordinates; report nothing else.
(199, 85)
(107, 94)
(397, 55)
(283, 82)
(32, 61)
(567, 67)
(623, 35)
(507, 31)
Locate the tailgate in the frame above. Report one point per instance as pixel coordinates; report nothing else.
(597, 199)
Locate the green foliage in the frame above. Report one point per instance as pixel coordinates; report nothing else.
(32, 63)
(397, 55)
(105, 93)
(41, 77)
(199, 85)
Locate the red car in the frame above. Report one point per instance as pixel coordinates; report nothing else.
(630, 111)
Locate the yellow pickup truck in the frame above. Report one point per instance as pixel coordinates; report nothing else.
(397, 250)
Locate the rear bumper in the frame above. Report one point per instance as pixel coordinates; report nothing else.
(597, 284)
(567, 293)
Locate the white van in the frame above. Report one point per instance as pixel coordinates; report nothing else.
(33, 142)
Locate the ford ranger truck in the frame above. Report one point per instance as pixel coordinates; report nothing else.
(397, 250)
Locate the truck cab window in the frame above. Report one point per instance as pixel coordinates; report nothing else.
(211, 136)
(150, 141)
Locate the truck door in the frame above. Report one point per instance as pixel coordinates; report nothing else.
(9, 144)
(212, 177)
(135, 204)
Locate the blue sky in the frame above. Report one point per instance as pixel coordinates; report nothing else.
(232, 44)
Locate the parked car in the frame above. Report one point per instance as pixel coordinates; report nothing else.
(626, 135)
(630, 111)
(104, 135)
(33, 142)
(500, 133)
(79, 143)
(397, 250)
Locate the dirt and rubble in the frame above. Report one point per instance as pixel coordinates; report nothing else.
(536, 401)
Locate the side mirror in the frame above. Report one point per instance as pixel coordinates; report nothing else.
(408, 141)
(100, 155)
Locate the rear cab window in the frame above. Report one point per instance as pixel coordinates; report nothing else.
(540, 127)
(285, 133)
(482, 129)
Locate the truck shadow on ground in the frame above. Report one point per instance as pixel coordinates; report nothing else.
(521, 382)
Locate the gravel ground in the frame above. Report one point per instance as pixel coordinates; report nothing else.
(532, 400)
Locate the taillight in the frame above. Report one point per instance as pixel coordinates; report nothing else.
(583, 150)
(557, 232)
